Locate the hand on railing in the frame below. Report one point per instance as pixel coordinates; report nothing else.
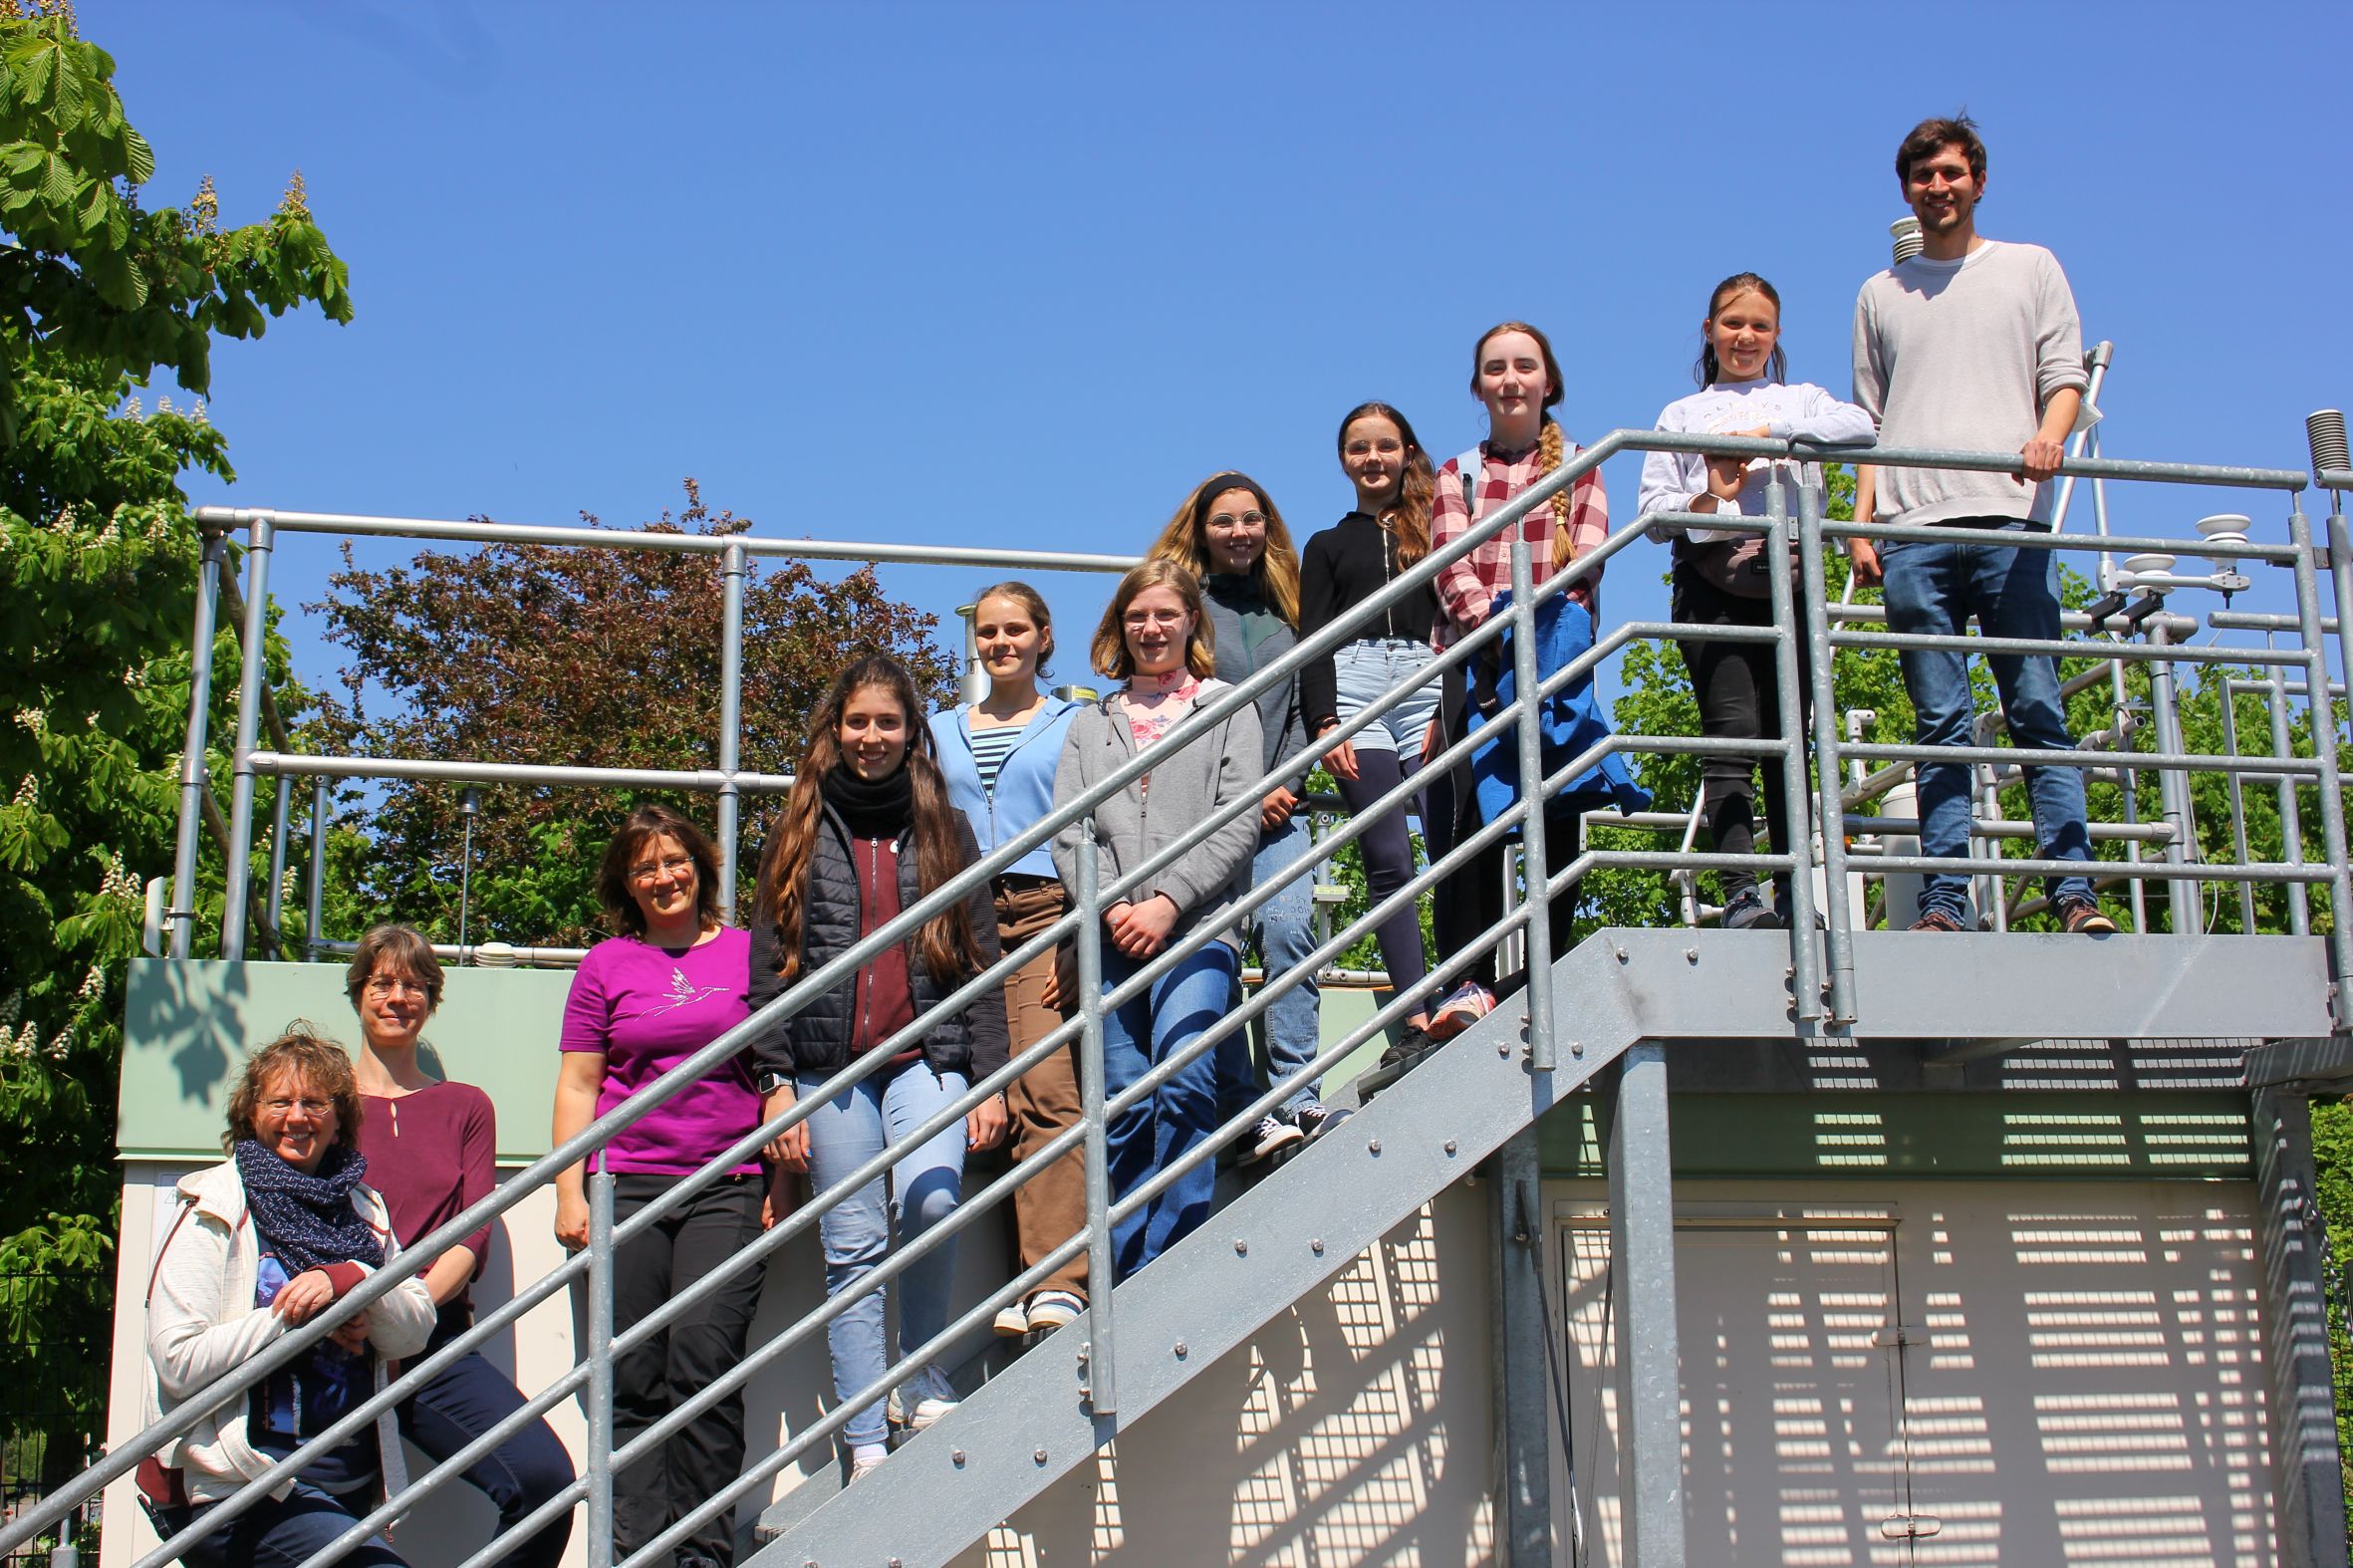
(1141, 929)
(1274, 813)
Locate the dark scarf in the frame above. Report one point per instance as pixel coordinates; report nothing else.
(308, 1220)
(871, 807)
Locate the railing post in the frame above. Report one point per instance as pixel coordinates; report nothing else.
(1642, 1252)
(274, 901)
(2237, 796)
(2323, 712)
(1805, 977)
(2340, 572)
(315, 874)
(253, 668)
(1102, 1384)
(1535, 863)
(599, 1381)
(1826, 759)
(2291, 810)
(182, 914)
(2185, 899)
(732, 568)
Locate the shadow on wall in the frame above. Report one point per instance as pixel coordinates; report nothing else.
(1334, 1435)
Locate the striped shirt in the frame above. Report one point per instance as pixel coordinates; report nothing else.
(1466, 588)
(990, 748)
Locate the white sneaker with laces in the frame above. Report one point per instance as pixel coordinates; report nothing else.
(1054, 1309)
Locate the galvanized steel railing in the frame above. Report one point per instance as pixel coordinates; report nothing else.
(1823, 982)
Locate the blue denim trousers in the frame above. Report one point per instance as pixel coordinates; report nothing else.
(283, 1532)
(1289, 1032)
(1178, 1116)
(925, 1188)
(519, 1474)
(1935, 588)
(1369, 669)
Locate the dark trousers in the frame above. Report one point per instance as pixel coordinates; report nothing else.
(706, 1454)
(282, 1532)
(1739, 688)
(520, 1473)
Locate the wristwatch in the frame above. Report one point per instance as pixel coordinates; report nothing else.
(771, 1081)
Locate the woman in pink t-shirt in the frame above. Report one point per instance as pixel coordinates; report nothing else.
(671, 983)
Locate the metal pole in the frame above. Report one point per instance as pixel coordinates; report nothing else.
(732, 570)
(2340, 572)
(315, 874)
(275, 906)
(182, 914)
(1806, 976)
(1986, 797)
(1641, 1252)
(2292, 811)
(252, 670)
(2185, 900)
(2322, 713)
(1827, 754)
(1102, 1387)
(2237, 796)
(1515, 1230)
(1535, 868)
(599, 1383)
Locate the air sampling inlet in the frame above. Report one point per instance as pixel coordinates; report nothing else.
(2327, 431)
(1905, 233)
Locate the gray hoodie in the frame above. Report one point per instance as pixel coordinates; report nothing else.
(1196, 768)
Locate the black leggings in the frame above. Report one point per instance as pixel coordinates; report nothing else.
(1739, 688)
(1388, 847)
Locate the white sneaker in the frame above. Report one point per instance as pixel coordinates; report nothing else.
(1277, 1132)
(1053, 1309)
(928, 1408)
(1012, 1321)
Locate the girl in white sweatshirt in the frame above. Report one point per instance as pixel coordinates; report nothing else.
(1719, 576)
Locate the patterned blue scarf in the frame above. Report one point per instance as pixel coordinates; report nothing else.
(308, 1220)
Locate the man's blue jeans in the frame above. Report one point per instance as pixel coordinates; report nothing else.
(1934, 588)
(1283, 931)
(1176, 1118)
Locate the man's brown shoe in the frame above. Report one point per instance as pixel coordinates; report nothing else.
(2082, 917)
(1936, 920)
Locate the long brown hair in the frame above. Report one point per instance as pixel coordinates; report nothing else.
(1186, 541)
(1551, 441)
(1109, 648)
(1409, 520)
(946, 941)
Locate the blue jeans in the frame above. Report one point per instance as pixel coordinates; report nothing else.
(1174, 1119)
(925, 1188)
(1283, 931)
(282, 1532)
(1369, 669)
(1934, 588)
(520, 1473)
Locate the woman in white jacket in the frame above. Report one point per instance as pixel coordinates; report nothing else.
(264, 1242)
(1719, 576)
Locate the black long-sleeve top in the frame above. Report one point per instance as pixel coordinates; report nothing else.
(1342, 567)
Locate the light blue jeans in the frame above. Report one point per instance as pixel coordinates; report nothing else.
(1366, 670)
(1934, 587)
(1176, 1119)
(1283, 931)
(925, 1188)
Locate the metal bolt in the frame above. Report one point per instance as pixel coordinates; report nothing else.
(1182, 1350)
(1040, 1455)
(1241, 1248)
(895, 1563)
(955, 1456)
(1621, 953)
(1450, 1146)
(1316, 1247)
(1373, 1146)
(1691, 955)
(1576, 1047)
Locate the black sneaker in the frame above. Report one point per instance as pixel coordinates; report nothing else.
(1314, 1118)
(1277, 1130)
(1411, 1047)
(1748, 912)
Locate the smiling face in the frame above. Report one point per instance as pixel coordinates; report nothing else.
(1743, 332)
(295, 1120)
(663, 880)
(1942, 191)
(873, 732)
(1512, 381)
(1373, 455)
(1012, 644)
(393, 1005)
(1157, 628)
(1234, 530)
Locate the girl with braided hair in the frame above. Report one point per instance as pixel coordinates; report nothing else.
(1514, 374)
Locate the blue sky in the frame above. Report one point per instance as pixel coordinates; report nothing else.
(1023, 273)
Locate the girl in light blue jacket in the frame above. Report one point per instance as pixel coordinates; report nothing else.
(1000, 756)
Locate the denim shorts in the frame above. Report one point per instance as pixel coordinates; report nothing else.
(1370, 667)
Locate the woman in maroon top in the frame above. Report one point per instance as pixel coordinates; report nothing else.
(429, 1144)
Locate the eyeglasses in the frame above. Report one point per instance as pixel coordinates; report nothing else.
(1138, 620)
(1245, 520)
(381, 986)
(309, 1107)
(646, 876)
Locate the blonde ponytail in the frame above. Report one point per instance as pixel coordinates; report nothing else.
(1551, 446)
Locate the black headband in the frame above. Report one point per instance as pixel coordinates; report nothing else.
(1217, 484)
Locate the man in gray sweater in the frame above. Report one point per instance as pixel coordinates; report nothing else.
(1974, 344)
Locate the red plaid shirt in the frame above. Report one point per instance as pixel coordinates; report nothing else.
(1466, 588)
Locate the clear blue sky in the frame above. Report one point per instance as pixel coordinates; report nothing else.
(1014, 273)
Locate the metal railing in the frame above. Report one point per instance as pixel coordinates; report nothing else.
(1821, 962)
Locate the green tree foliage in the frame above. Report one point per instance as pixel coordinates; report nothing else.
(100, 556)
(586, 657)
